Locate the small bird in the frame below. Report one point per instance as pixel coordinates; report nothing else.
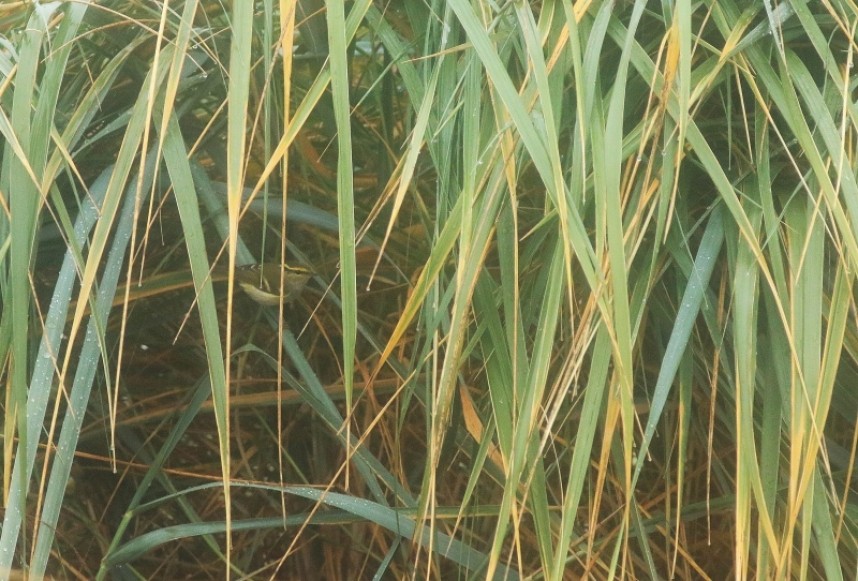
(261, 282)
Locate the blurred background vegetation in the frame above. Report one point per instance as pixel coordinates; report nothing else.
(582, 302)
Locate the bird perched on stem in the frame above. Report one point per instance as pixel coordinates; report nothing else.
(262, 282)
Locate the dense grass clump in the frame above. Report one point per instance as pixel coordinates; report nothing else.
(581, 298)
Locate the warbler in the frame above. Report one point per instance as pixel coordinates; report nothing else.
(262, 282)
